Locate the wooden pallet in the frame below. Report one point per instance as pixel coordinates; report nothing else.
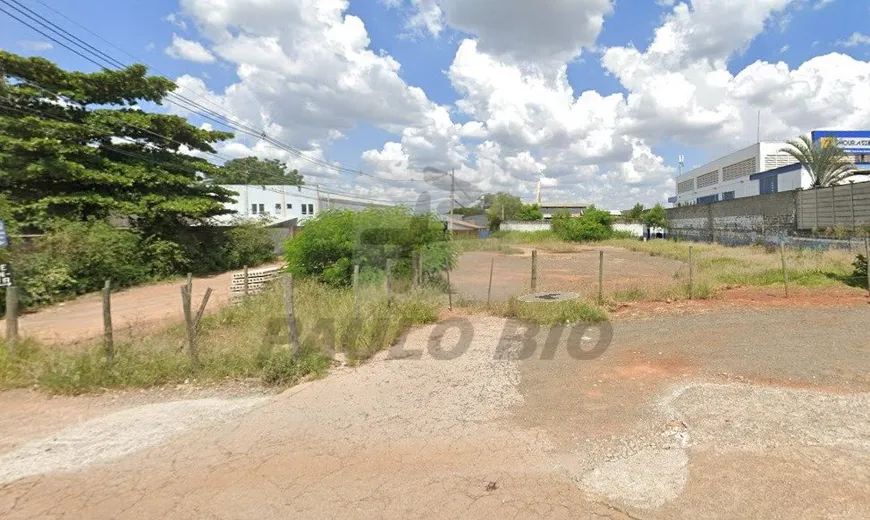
(257, 281)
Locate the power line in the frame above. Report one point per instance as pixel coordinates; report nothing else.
(172, 97)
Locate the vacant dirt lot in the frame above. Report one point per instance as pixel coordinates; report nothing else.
(709, 412)
(575, 272)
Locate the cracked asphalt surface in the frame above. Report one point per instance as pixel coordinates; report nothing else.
(725, 413)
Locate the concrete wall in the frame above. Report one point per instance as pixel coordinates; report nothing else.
(845, 206)
(635, 228)
(760, 219)
(525, 227)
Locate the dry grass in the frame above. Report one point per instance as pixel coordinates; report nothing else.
(718, 266)
(237, 342)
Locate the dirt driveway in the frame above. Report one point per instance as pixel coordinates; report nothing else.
(718, 412)
(136, 308)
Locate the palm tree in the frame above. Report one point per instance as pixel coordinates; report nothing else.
(827, 164)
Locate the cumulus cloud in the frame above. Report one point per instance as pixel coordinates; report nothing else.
(681, 87)
(519, 29)
(35, 45)
(189, 50)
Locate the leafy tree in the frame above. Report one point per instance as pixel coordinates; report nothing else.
(827, 164)
(656, 217)
(469, 212)
(504, 206)
(253, 170)
(73, 146)
(530, 212)
(634, 214)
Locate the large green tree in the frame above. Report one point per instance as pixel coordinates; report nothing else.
(634, 214)
(502, 206)
(827, 164)
(75, 146)
(253, 170)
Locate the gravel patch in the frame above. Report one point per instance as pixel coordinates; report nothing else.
(116, 435)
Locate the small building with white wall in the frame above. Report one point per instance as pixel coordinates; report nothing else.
(281, 203)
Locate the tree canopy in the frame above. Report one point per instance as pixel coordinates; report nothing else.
(656, 217)
(530, 213)
(75, 146)
(634, 214)
(502, 206)
(827, 164)
(253, 170)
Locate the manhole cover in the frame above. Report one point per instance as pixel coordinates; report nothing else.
(545, 297)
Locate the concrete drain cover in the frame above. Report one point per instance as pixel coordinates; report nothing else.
(546, 297)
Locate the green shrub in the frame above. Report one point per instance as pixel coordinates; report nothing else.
(593, 225)
(583, 230)
(335, 240)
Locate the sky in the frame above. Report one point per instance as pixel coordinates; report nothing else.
(597, 98)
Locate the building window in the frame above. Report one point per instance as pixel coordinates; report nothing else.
(708, 199)
(289, 206)
(728, 195)
(304, 209)
(768, 185)
(253, 209)
(311, 209)
(277, 208)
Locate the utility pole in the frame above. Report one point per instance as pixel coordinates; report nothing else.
(452, 198)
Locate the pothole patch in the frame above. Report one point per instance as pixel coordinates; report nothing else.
(647, 479)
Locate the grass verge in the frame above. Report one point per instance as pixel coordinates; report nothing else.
(571, 311)
(236, 342)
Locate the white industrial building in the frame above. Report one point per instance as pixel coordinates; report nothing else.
(276, 204)
(758, 169)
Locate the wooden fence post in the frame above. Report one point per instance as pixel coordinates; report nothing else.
(449, 291)
(11, 318)
(389, 282)
(534, 270)
(600, 277)
(784, 272)
(108, 336)
(245, 283)
(201, 311)
(190, 325)
(290, 313)
(691, 273)
(489, 291)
